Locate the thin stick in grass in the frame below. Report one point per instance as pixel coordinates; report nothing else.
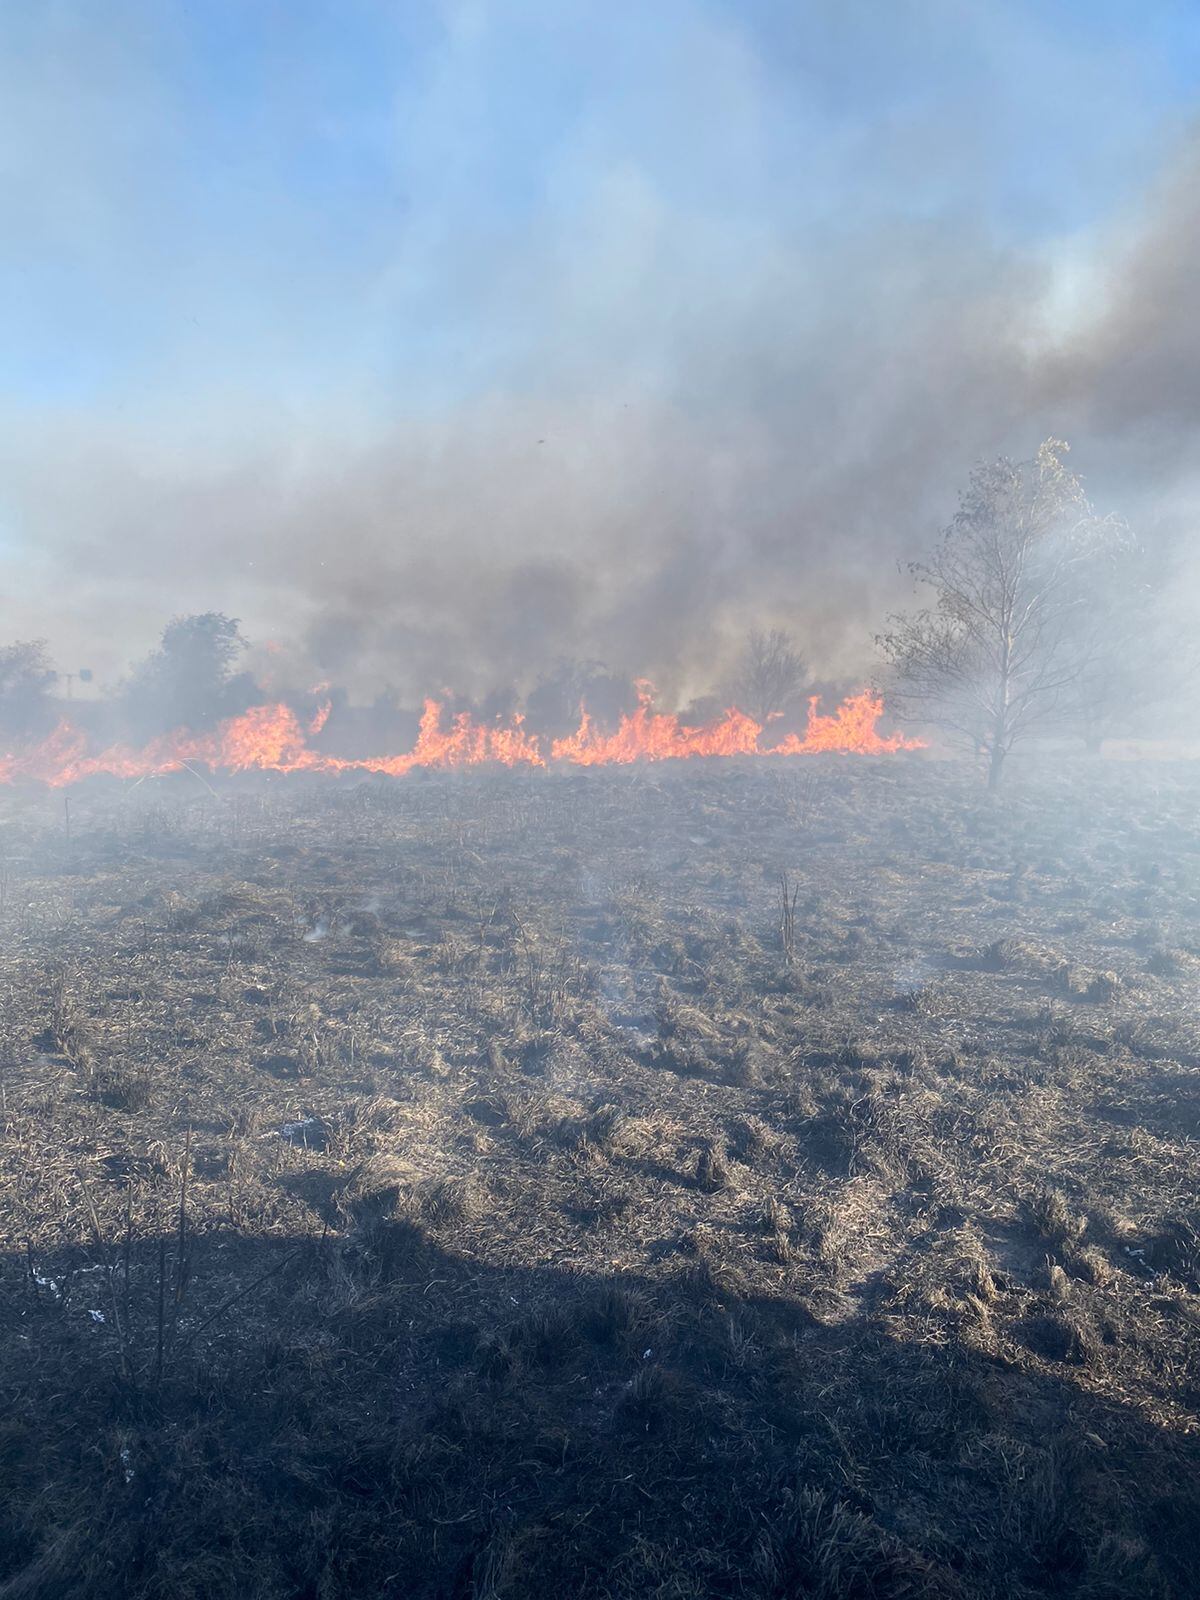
(181, 1266)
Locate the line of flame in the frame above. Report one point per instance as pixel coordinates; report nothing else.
(272, 738)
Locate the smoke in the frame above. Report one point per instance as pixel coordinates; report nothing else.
(620, 383)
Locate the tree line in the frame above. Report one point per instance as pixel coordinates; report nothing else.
(1039, 616)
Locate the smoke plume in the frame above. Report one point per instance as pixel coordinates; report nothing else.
(705, 355)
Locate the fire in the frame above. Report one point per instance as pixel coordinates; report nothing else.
(272, 738)
(466, 744)
(854, 726)
(656, 736)
(321, 715)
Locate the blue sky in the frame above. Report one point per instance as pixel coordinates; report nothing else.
(296, 194)
(242, 235)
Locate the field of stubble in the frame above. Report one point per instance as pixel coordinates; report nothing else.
(481, 1188)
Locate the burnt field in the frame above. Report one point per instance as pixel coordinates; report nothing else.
(725, 1180)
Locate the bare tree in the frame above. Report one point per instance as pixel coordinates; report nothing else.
(770, 671)
(1003, 649)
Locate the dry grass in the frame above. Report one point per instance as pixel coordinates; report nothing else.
(465, 1189)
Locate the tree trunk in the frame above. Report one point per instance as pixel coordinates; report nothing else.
(998, 743)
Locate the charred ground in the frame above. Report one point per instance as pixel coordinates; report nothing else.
(472, 1188)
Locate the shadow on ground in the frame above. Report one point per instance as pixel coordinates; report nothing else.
(374, 1415)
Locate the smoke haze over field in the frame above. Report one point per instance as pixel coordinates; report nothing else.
(436, 347)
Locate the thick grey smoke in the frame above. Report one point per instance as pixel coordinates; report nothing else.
(692, 425)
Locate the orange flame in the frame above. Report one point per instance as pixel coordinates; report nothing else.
(467, 744)
(272, 738)
(656, 736)
(853, 727)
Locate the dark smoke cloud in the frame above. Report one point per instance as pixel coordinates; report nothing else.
(693, 426)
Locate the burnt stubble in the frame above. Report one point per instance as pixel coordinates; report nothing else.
(494, 1185)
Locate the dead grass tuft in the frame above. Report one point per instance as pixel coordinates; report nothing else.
(712, 1170)
(1050, 1213)
(815, 1544)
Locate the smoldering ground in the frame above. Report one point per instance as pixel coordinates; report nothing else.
(478, 1188)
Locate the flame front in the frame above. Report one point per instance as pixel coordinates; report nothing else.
(853, 727)
(648, 735)
(467, 744)
(272, 738)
